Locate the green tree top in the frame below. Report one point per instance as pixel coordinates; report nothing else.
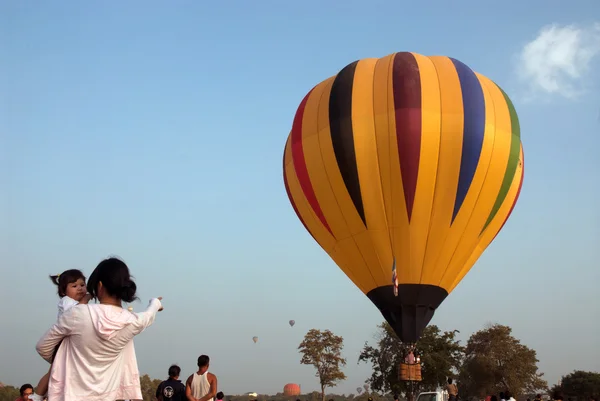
(323, 350)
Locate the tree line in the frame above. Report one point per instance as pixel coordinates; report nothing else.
(492, 361)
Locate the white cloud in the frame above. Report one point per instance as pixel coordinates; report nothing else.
(557, 60)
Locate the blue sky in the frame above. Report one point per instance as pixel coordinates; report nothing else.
(155, 131)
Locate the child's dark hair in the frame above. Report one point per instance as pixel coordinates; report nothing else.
(113, 273)
(220, 395)
(65, 278)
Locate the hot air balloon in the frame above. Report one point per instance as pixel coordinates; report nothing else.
(291, 390)
(292, 323)
(255, 339)
(366, 387)
(359, 390)
(404, 169)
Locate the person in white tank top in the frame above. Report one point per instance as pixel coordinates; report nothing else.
(202, 385)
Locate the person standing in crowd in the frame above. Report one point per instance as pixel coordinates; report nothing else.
(202, 385)
(171, 389)
(72, 291)
(25, 392)
(508, 396)
(96, 360)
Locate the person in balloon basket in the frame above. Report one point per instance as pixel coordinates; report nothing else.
(452, 390)
(171, 389)
(202, 385)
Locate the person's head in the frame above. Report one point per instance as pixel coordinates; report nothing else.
(110, 281)
(70, 283)
(395, 397)
(174, 372)
(538, 396)
(502, 395)
(220, 395)
(26, 390)
(493, 398)
(203, 363)
(558, 395)
(449, 380)
(507, 395)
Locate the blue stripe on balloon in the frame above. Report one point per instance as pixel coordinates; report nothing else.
(473, 130)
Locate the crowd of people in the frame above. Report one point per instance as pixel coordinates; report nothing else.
(90, 346)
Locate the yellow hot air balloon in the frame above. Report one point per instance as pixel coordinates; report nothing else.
(404, 168)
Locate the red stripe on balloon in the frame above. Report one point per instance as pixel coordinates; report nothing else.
(406, 86)
(300, 164)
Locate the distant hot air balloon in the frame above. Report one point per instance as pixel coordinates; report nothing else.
(291, 390)
(366, 387)
(404, 169)
(359, 390)
(292, 323)
(255, 339)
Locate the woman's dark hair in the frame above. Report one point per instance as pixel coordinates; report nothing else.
(558, 395)
(114, 275)
(25, 387)
(220, 395)
(493, 398)
(507, 395)
(65, 278)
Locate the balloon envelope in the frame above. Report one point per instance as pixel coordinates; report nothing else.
(359, 390)
(292, 323)
(255, 339)
(291, 389)
(405, 161)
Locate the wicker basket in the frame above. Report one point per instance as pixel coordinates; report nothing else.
(410, 372)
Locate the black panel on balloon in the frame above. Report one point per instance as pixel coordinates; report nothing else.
(411, 311)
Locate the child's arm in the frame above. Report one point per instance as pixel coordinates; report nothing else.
(86, 298)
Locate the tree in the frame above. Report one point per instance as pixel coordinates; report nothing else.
(8, 393)
(148, 387)
(580, 384)
(323, 350)
(495, 361)
(441, 356)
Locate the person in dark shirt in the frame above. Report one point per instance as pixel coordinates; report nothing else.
(171, 389)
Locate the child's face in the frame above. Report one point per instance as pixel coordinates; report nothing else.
(76, 290)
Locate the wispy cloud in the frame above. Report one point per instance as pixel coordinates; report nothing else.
(557, 61)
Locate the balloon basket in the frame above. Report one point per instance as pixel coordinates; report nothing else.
(410, 372)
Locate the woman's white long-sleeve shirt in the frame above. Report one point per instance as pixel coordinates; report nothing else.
(96, 360)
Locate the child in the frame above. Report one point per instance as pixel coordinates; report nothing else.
(72, 291)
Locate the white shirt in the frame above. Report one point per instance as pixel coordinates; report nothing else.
(200, 385)
(65, 304)
(96, 361)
